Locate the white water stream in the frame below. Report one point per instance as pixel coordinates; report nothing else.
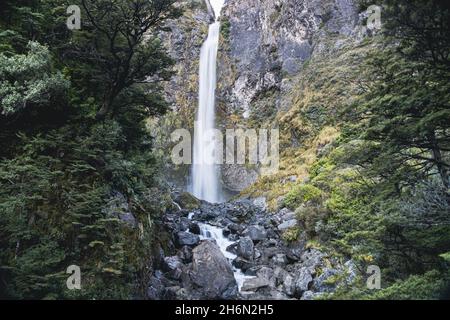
(208, 232)
(205, 173)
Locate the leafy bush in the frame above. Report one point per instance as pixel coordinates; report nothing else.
(302, 194)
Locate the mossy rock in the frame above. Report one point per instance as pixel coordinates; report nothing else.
(188, 201)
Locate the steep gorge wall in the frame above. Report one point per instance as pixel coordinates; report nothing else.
(266, 47)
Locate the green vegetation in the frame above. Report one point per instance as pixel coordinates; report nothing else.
(75, 155)
(377, 189)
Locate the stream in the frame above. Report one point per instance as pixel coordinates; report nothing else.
(215, 234)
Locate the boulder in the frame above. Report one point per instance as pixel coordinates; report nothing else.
(242, 264)
(185, 254)
(254, 284)
(187, 239)
(312, 258)
(212, 272)
(260, 203)
(302, 280)
(174, 267)
(187, 201)
(309, 295)
(256, 233)
(286, 214)
(324, 283)
(287, 225)
(194, 228)
(280, 259)
(245, 248)
(351, 271)
(232, 248)
(289, 285)
(155, 289)
(235, 228)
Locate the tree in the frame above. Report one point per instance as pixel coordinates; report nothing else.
(404, 115)
(120, 47)
(29, 80)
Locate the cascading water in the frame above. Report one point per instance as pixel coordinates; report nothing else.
(205, 173)
(208, 232)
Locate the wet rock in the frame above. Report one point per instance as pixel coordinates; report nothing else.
(226, 232)
(256, 233)
(245, 248)
(232, 248)
(212, 272)
(194, 228)
(184, 224)
(242, 264)
(187, 239)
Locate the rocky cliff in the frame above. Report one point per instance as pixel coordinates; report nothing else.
(265, 50)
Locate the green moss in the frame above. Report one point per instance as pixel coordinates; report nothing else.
(188, 201)
(302, 194)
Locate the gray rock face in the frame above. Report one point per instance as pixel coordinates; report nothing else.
(289, 285)
(323, 282)
(309, 295)
(155, 289)
(287, 225)
(261, 203)
(271, 39)
(245, 248)
(280, 259)
(174, 267)
(302, 281)
(256, 233)
(312, 258)
(212, 272)
(187, 239)
(238, 177)
(255, 284)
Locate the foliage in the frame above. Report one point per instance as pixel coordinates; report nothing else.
(302, 194)
(76, 189)
(28, 81)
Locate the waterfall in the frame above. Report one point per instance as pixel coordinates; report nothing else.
(205, 173)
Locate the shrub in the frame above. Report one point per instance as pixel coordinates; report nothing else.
(302, 194)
